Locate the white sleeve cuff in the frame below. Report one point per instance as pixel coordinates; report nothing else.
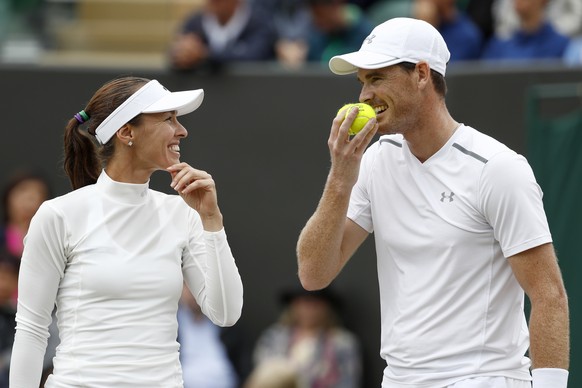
(549, 378)
(218, 233)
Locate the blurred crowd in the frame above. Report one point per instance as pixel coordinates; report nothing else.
(23, 193)
(296, 32)
(301, 31)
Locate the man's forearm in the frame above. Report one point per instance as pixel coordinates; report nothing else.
(319, 244)
(550, 334)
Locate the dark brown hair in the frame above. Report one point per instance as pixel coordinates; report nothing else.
(438, 80)
(83, 156)
(16, 179)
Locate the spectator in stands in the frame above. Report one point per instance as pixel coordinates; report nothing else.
(463, 37)
(382, 10)
(22, 195)
(481, 13)
(573, 53)
(275, 373)
(334, 26)
(337, 26)
(536, 38)
(211, 356)
(223, 31)
(564, 15)
(8, 283)
(292, 22)
(364, 5)
(309, 337)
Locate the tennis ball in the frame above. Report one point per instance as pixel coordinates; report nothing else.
(366, 112)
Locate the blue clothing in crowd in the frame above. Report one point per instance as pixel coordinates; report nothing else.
(573, 54)
(463, 38)
(545, 43)
(255, 42)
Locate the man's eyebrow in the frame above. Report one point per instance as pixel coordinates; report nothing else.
(371, 75)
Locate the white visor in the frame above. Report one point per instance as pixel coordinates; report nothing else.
(151, 98)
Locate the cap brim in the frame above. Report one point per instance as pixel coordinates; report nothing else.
(182, 102)
(351, 62)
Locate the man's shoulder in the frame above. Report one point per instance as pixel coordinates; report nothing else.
(479, 145)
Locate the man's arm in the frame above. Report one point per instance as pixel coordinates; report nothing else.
(538, 273)
(329, 238)
(327, 241)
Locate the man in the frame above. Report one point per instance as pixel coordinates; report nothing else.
(459, 226)
(337, 26)
(224, 31)
(535, 38)
(462, 36)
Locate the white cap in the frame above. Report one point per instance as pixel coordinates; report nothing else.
(150, 98)
(394, 41)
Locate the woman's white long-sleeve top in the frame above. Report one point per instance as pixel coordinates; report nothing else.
(113, 256)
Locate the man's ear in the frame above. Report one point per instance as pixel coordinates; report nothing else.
(423, 70)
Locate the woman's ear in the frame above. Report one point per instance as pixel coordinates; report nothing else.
(125, 135)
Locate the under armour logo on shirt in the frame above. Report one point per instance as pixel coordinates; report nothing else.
(369, 38)
(445, 196)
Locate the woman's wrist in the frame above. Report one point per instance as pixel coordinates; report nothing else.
(212, 223)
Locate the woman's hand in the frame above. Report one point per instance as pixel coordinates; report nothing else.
(198, 190)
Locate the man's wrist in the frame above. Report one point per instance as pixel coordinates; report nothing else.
(549, 378)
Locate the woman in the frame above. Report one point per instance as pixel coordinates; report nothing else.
(113, 254)
(309, 338)
(21, 197)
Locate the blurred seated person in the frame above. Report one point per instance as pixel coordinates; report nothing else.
(292, 22)
(291, 18)
(573, 53)
(536, 38)
(22, 195)
(335, 26)
(309, 337)
(275, 373)
(382, 10)
(564, 15)
(8, 285)
(481, 13)
(463, 37)
(211, 356)
(223, 31)
(21, 198)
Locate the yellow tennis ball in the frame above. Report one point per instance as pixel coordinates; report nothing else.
(366, 112)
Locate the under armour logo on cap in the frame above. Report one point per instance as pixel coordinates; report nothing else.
(394, 41)
(369, 38)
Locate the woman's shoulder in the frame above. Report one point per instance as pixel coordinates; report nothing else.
(80, 194)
